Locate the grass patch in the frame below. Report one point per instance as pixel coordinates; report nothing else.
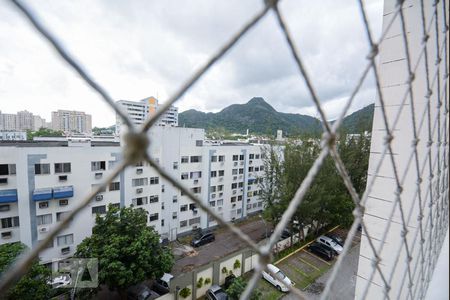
(268, 291)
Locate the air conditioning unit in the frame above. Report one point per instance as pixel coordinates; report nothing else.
(43, 229)
(139, 171)
(195, 211)
(139, 190)
(213, 196)
(220, 194)
(98, 175)
(242, 190)
(220, 178)
(196, 181)
(234, 205)
(234, 177)
(235, 163)
(99, 198)
(242, 163)
(240, 176)
(65, 250)
(234, 192)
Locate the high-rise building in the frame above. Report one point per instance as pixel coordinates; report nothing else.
(139, 111)
(39, 123)
(22, 121)
(8, 122)
(70, 121)
(225, 176)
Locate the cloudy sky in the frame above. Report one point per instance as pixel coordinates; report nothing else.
(138, 48)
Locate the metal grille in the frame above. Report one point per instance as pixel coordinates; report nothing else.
(419, 245)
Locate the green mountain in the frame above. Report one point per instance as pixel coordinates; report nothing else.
(359, 121)
(257, 116)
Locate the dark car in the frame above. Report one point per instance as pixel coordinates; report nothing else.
(321, 250)
(215, 292)
(229, 280)
(336, 238)
(204, 239)
(141, 292)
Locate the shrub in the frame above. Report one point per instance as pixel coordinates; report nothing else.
(207, 280)
(200, 282)
(224, 270)
(185, 292)
(237, 264)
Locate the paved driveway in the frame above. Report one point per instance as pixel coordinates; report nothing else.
(225, 243)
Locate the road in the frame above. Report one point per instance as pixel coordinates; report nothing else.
(225, 243)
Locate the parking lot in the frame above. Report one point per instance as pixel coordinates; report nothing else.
(305, 268)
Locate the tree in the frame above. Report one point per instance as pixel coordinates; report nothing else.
(127, 249)
(33, 285)
(44, 132)
(237, 287)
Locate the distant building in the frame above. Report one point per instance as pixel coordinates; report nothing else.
(279, 135)
(70, 121)
(22, 121)
(13, 136)
(139, 111)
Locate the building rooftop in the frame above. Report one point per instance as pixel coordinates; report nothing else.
(57, 144)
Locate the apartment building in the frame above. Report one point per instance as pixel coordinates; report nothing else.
(22, 121)
(13, 136)
(139, 111)
(70, 121)
(41, 181)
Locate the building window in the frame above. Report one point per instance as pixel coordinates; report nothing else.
(10, 222)
(114, 186)
(221, 173)
(139, 164)
(196, 190)
(241, 184)
(139, 201)
(234, 172)
(241, 157)
(154, 199)
(184, 159)
(63, 202)
(194, 221)
(196, 159)
(183, 207)
(6, 169)
(220, 188)
(65, 240)
(212, 189)
(241, 171)
(162, 222)
(4, 207)
(198, 143)
(153, 217)
(250, 169)
(195, 175)
(61, 215)
(174, 215)
(220, 202)
(174, 199)
(213, 158)
(139, 181)
(175, 165)
(184, 176)
(212, 203)
(99, 209)
(235, 157)
(62, 168)
(183, 223)
(40, 169)
(94, 186)
(213, 173)
(233, 199)
(98, 165)
(234, 186)
(261, 168)
(221, 158)
(251, 156)
(112, 164)
(154, 180)
(239, 198)
(115, 205)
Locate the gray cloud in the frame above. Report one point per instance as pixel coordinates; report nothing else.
(142, 48)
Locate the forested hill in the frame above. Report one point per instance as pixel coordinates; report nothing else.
(261, 118)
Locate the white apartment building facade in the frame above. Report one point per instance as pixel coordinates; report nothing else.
(13, 136)
(139, 111)
(41, 181)
(70, 121)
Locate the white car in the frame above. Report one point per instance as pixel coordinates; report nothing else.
(60, 281)
(280, 281)
(330, 243)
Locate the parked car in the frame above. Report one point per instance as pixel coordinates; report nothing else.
(204, 239)
(215, 292)
(330, 243)
(336, 238)
(321, 250)
(141, 292)
(162, 285)
(280, 281)
(60, 281)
